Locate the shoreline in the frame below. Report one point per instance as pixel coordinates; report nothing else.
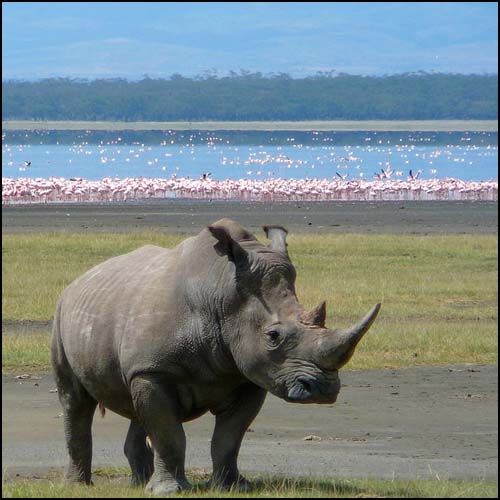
(271, 126)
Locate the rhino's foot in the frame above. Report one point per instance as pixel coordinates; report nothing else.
(70, 480)
(142, 477)
(238, 484)
(137, 481)
(166, 486)
(78, 478)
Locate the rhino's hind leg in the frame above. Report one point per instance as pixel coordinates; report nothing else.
(78, 412)
(155, 408)
(232, 420)
(139, 455)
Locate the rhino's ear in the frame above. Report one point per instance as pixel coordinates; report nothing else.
(277, 235)
(226, 245)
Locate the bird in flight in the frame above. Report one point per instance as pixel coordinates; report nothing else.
(414, 176)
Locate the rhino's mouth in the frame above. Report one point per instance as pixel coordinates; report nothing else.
(301, 381)
(301, 391)
(309, 390)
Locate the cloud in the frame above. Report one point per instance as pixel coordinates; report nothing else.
(118, 41)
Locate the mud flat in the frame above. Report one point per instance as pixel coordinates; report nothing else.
(417, 423)
(189, 217)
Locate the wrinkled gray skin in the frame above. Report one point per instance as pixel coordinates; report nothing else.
(162, 336)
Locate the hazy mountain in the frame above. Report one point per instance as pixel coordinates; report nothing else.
(105, 39)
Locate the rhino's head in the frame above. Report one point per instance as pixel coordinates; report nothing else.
(274, 341)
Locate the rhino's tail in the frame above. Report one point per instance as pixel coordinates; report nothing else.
(102, 410)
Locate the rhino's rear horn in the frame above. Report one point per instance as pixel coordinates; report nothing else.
(316, 317)
(277, 235)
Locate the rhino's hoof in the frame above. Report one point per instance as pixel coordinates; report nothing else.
(141, 479)
(76, 479)
(241, 485)
(166, 487)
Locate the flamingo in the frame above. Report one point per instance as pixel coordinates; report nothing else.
(27, 190)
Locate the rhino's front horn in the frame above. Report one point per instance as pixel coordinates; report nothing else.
(338, 346)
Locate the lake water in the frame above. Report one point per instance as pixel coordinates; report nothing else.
(470, 156)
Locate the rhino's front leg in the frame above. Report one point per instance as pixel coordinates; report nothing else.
(233, 417)
(155, 408)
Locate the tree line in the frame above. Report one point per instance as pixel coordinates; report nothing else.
(252, 96)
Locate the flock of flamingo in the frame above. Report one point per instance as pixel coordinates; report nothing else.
(109, 189)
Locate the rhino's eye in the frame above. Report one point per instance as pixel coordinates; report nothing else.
(273, 335)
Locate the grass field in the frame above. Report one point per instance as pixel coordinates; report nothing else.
(112, 483)
(366, 125)
(439, 294)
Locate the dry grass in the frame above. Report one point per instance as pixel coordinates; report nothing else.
(112, 483)
(439, 293)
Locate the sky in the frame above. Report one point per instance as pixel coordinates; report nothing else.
(158, 39)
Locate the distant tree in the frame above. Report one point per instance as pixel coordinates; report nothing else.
(247, 95)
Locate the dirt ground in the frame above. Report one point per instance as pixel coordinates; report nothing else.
(418, 423)
(188, 217)
(425, 422)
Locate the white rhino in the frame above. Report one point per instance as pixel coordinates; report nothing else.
(161, 336)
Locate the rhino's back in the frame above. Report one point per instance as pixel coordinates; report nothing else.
(111, 285)
(116, 268)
